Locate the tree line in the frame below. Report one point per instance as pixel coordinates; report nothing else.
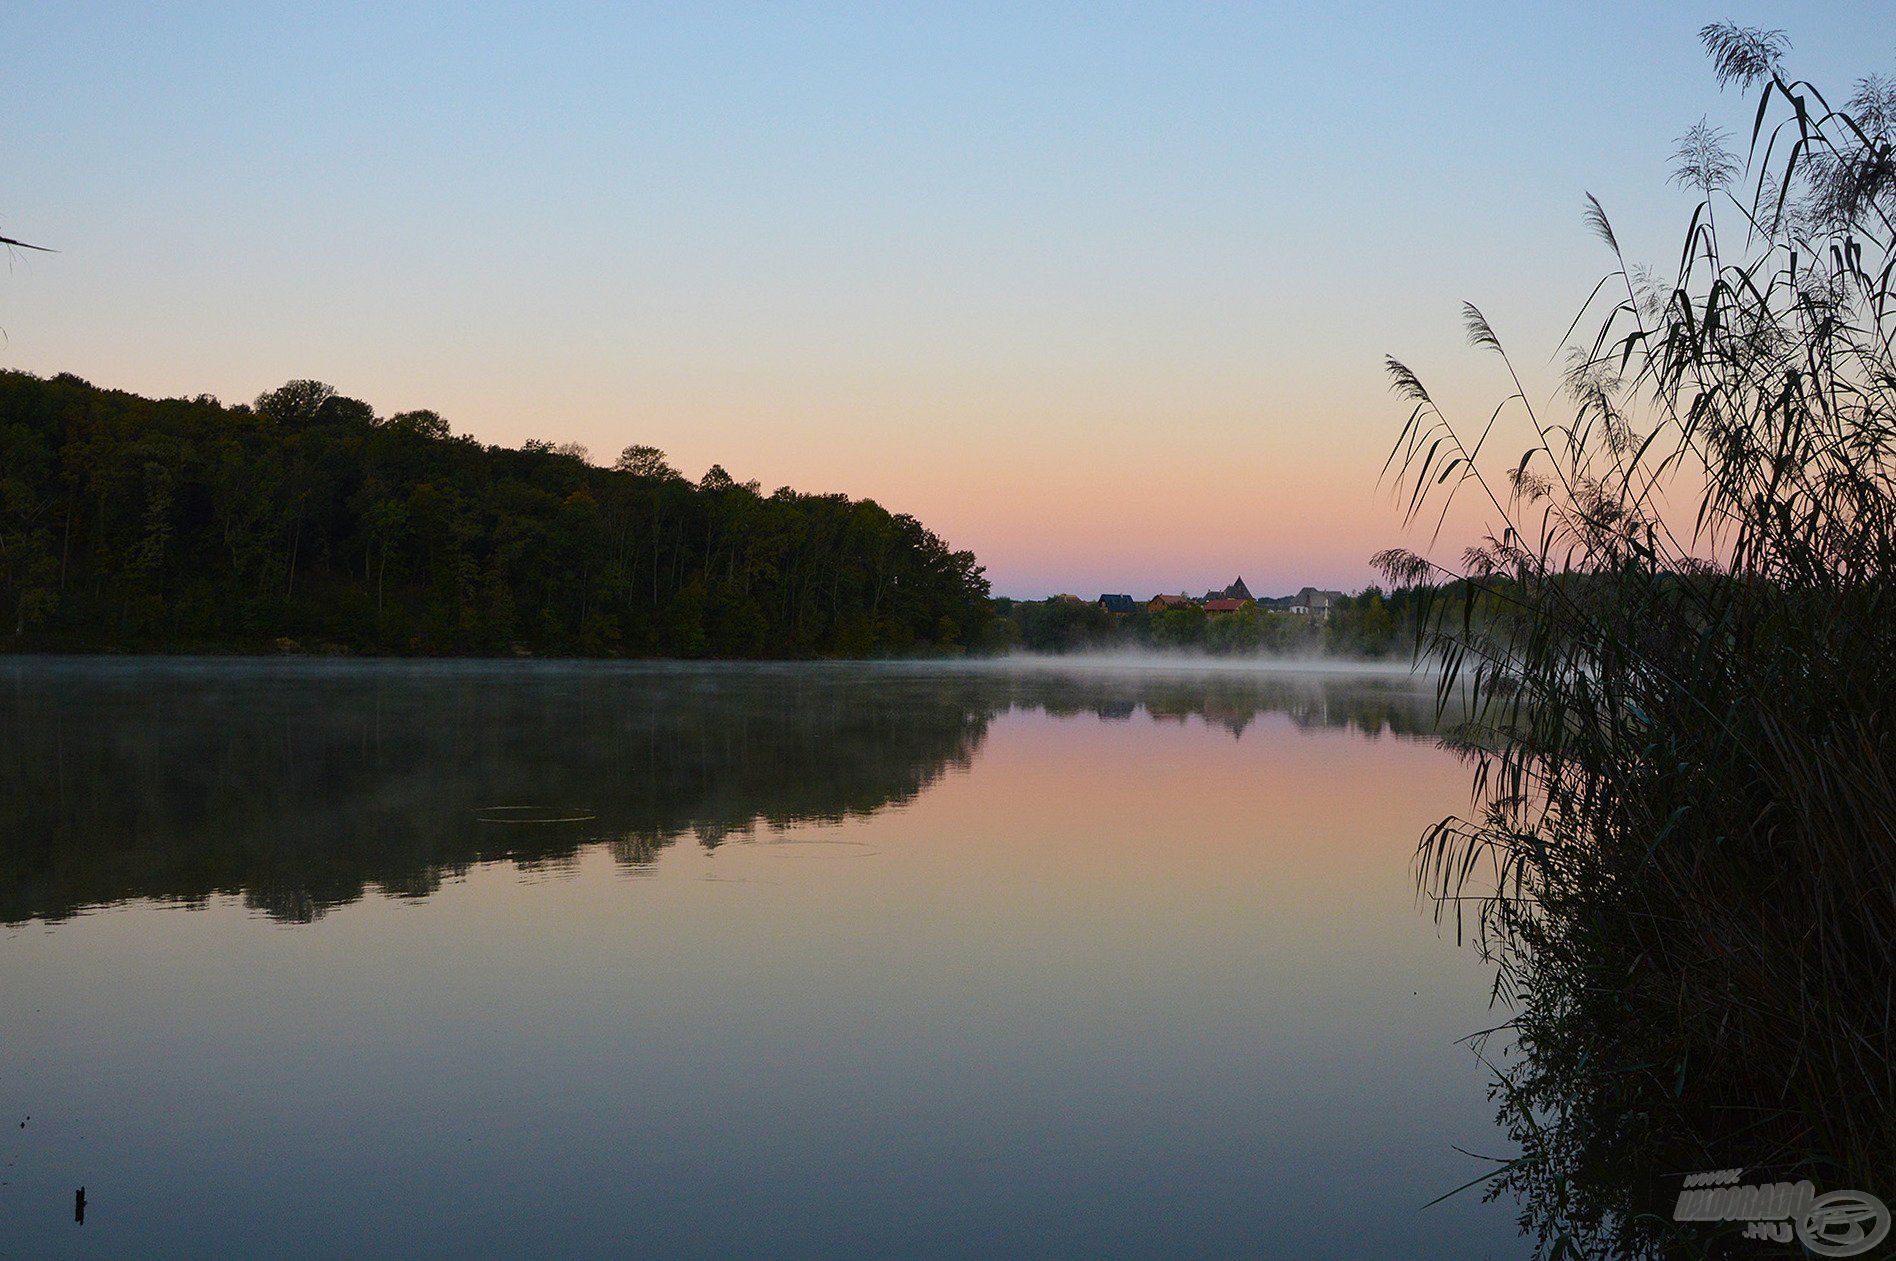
(1373, 623)
(305, 521)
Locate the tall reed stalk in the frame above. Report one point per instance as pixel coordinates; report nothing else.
(1679, 636)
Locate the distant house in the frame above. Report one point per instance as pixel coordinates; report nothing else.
(1315, 603)
(1236, 591)
(1160, 603)
(1227, 605)
(1118, 603)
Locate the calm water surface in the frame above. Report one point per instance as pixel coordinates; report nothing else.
(496, 960)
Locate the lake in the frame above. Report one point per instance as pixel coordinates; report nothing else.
(515, 959)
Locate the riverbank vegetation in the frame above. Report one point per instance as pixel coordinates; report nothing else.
(1683, 859)
(305, 522)
(1372, 624)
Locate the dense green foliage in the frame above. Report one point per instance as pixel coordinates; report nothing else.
(1371, 624)
(1684, 855)
(307, 521)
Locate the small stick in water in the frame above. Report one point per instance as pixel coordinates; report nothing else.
(79, 1206)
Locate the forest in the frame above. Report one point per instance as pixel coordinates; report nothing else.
(305, 522)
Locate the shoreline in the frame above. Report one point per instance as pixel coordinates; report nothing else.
(1004, 663)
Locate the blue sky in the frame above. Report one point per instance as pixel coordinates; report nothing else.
(1100, 291)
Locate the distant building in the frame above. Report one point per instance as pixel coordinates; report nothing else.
(1228, 605)
(1160, 603)
(1118, 603)
(1236, 591)
(1314, 602)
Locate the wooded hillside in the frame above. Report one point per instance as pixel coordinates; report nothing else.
(306, 521)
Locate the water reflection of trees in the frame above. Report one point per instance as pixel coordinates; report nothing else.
(1370, 705)
(299, 787)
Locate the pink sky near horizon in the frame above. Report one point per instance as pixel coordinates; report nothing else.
(1050, 501)
(1102, 297)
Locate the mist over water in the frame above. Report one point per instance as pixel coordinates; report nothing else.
(1160, 661)
(1071, 956)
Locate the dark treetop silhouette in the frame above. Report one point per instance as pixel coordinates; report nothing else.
(305, 521)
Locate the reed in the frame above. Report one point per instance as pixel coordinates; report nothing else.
(1678, 637)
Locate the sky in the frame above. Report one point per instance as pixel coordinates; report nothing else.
(1098, 291)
